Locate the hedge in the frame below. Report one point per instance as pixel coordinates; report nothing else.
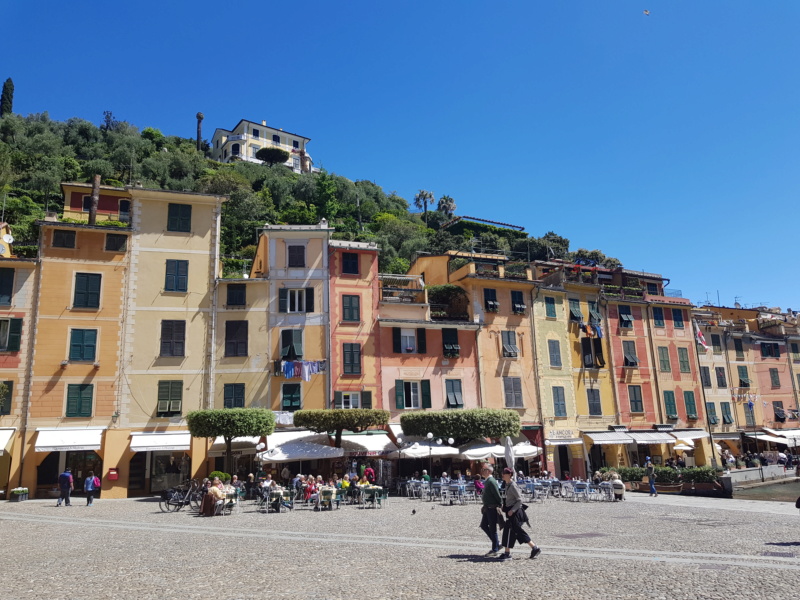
(463, 424)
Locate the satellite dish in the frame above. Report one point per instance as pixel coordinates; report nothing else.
(8, 238)
(2, 249)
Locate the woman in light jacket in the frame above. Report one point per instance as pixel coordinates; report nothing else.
(516, 516)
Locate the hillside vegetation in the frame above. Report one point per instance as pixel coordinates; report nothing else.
(38, 153)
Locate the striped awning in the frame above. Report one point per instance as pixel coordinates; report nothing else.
(651, 437)
(608, 437)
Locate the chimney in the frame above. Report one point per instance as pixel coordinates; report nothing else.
(264, 123)
(95, 200)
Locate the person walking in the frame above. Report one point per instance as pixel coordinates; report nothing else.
(65, 484)
(491, 502)
(650, 471)
(90, 485)
(514, 510)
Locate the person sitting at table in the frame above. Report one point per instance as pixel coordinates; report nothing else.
(597, 478)
(618, 486)
(416, 476)
(236, 483)
(363, 481)
(425, 476)
(444, 479)
(520, 477)
(345, 482)
(214, 495)
(267, 483)
(310, 489)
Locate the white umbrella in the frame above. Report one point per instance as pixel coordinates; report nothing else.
(299, 450)
(509, 453)
(480, 450)
(526, 450)
(682, 447)
(424, 450)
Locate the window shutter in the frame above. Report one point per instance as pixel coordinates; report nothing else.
(166, 338)
(228, 398)
(93, 291)
(422, 344)
(179, 337)
(598, 352)
(337, 399)
(356, 358)
(586, 351)
(309, 300)
(73, 399)
(508, 391)
(14, 334)
(89, 344)
(399, 393)
(397, 345)
(555, 353)
(6, 286)
(169, 279)
(283, 296)
(86, 401)
(297, 335)
(182, 275)
(366, 399)
(286, 342)
(516, 383)
(425, 388)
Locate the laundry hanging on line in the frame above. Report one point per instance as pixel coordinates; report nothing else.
(300, 369)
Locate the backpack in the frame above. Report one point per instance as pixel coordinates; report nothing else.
(63, 480)
(96, 483)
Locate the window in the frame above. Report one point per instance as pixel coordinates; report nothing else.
(276, 138)
(295, 144)
(87, 203)
(509, 340)
(711, 410)
(352, 359)
(716, 343)
(727, 417)
(770, 350)
(87, 290)
(663, 359)
(170, 398)
(559, 403)
(295, 163)
(298, 300)
(233, 395)
(412, 394)
(408, 338)
(490, 302)
(594, 313)
(629, 354)
(179, 218)
(517, 303)
(256, 133)
(79, 400)
(351, 308)
(774, 378)
(683, 360)
(669, 405)
(658, 316)
(595, 407)
(738, 347)
(409, 341)
(292, 344)
(173, 338)
(124, 212)
(83, 344)
(780, 414)
(554, 349)
(705, 376)
(10, 334)
(592, 352)
(691, 407)
(5, 401)
(749, 415)
(297, 257)
(6, 286)
(550, 307)
(744, 378)
(235, 149)
(237, 294)
(450, 345)
(795, 347)
(452, 389)
(352, 400)
(635, 397)
(116, 242)
(512, 389)
(625, 317)
(722, 381)
(350, 263)
(235, 338)
(291, 400)
(652, 288)
(677, 318)
(575, 313)
(177, 278)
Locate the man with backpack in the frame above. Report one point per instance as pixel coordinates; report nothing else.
(65, 484)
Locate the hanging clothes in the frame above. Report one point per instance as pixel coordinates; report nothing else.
(305, 371)
(288, 369)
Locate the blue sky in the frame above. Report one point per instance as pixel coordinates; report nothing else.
(669, 141)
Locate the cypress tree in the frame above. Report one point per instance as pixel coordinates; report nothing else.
(7, 98)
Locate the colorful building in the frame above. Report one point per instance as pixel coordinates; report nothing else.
(248, 137)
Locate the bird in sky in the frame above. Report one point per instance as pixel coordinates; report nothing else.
(646, 13)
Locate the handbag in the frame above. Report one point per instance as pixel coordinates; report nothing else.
(645, 479)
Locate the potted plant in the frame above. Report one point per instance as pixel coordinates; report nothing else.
(18, 494)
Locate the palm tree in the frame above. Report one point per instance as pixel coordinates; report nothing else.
(447, 205)
(421, 200)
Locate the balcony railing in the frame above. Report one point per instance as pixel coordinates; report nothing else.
(617, 291)
(410, 295)
(445, 312)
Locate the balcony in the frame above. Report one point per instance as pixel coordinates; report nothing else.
(623, 293)
(447, 312)
(407, 289)
(461, 267)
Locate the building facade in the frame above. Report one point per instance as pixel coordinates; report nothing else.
(248, 137)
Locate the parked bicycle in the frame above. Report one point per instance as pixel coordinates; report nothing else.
(174, 499)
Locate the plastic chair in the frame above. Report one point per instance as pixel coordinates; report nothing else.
(382, 497)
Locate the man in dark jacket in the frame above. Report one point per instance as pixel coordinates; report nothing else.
(65, 484)
(492, 501)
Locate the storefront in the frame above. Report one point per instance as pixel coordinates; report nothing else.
(300, 451)
(58, 448)
(730, 441)
(654, 444)
(243, 450)
(565, 455)
(689, 442)
(607, 448)
(160, 461)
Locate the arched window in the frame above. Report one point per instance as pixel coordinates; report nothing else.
(235, 150)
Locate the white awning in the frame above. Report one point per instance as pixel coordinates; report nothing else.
(302, 449)
(787, 433)
(5, 437)
(173, 441)
(651, 437)
(526, 450)
(730, 435)
(58, 439)
(396, 429)
(424, 450)
(376, 443)
(563, 442)
(480, 450)
(293, 435)
(764, 437)
(239, 446)
(609, 437)
(689, 434)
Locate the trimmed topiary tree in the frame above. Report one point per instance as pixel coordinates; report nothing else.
(272, 155)
(339, 419)
(463, 425)
(230, 423)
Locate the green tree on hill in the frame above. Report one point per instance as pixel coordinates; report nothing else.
(7, 98)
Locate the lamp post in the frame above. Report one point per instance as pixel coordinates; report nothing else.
(430, 453)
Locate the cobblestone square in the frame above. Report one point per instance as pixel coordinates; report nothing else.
(659, 548)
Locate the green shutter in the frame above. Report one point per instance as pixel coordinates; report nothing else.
(366, 399)
(309, 300)
(663, 359)
(73, 400)
(397, 343)
(422, 343)
(399, 395)
(683, 360)
(286, 342)
(337, 399)
(425, 387)
(163, 396)
(14, 334)
(283, 297)
(86, 401)
(6, 286)
(297, 335)
(228, 396)
(669, 405)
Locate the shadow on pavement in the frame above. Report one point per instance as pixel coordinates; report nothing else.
(782, 543)
(473, 558)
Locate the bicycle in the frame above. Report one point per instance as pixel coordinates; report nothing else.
(174, 499)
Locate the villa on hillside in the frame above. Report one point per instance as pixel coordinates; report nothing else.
(248, 137)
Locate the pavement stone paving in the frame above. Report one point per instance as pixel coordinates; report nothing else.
(669, 547)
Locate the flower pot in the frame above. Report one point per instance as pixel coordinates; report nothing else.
(17, 497)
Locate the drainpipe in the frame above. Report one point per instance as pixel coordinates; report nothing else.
(703, 392)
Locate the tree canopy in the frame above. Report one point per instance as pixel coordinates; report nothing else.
(272, 155)
(7, 98)
(338, 419)
(462, 425)
(230, 423)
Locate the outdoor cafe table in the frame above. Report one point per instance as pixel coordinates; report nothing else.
(368, 493)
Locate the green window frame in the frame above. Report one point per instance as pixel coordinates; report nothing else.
(236, 333)
(176, 276)
(595, 405)
(630, 359)
(63, 238)
(450, 346)
(452, 389)
(705, 376)
(663, 359)
(795, 348)
(6, 286)
(750, 415)
(635, 398)
(291, 397)
(575, 314)
(559, 402)
(509, 342)
(711, 410)
(727, 416)
(512, 392)
(173, 338)
(292, 344)
(554, 349)
(594, 313)
(10, 335)
(691, 405)
(87, 290)
(774, 378)
(683, 361)
(350, 263)
(770, 350)
(517, 302)
(352, 359)
(179, 218)
(738, 347)
(233, 395)
(116, 242)
(170, 399)
(716, 343)
(670, 407)
(550, 307)
(351, 308)
(490, 303)
(79, 400)
(744, 376)
(658, 316)
(411, 395)
(722, 380)
(83, 345)
(625, 316)
(236, 294)
(677, 318)
(5, 403)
